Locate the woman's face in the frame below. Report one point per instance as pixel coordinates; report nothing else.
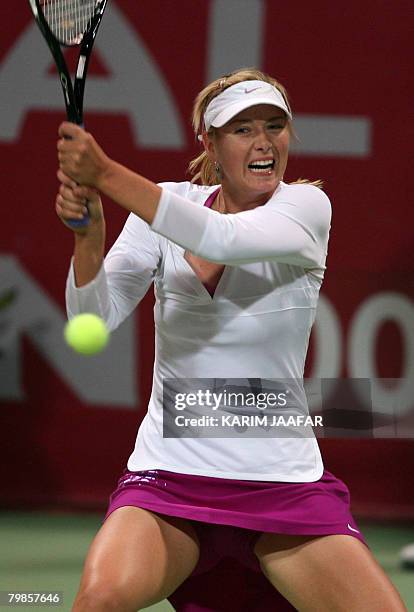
(252, 151)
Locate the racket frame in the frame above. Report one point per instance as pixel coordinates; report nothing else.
(73, 93)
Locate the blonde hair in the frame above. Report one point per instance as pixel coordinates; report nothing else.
(201, 168)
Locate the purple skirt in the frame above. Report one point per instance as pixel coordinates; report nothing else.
(229, 516)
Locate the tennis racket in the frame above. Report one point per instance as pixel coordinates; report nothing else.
(69, 23)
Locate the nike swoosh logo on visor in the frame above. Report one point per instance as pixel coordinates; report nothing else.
(352, 529)
(250, 90)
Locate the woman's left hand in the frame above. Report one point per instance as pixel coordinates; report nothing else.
(80, 156)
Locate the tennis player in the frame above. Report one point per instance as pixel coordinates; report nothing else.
(236, 523)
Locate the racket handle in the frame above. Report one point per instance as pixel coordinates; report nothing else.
(76, 223)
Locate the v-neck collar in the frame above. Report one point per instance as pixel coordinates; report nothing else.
(210, 200)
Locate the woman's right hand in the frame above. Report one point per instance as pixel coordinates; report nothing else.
(71, 204)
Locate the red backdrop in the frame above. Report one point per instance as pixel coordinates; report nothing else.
(345, 69)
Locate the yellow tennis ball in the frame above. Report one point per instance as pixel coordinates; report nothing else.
(86, 334)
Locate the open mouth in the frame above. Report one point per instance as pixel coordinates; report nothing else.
(264, 166)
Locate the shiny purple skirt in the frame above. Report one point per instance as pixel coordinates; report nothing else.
(229, 516)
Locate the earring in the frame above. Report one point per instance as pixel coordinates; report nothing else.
(217, 169)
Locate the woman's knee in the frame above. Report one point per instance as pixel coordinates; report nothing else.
(106, 598)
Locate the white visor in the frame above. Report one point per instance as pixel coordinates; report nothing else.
(240, 96)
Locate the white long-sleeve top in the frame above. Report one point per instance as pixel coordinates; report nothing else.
(256, 325)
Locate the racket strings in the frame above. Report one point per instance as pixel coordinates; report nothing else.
(69, 19)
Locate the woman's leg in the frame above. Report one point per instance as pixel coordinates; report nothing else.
(334, 573)
(137, 558)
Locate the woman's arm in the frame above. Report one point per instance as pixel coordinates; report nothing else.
(292, 228)
(82, 159)
(124, 278)
(90, 239)
(110, 288)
